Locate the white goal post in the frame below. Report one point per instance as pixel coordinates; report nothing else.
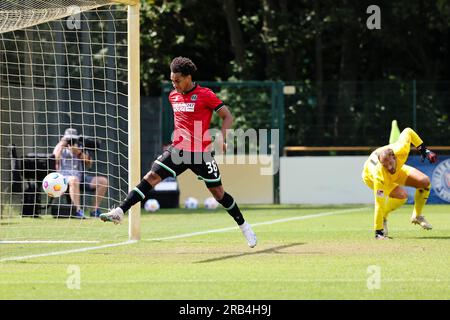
(134, 138)
(68, 64)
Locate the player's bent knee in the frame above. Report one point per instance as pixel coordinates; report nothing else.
(424, 182)
(217, 192)
(152, 178)
(399, 193)
(102, 181)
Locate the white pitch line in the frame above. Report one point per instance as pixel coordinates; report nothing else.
(309, 216)
(57, 253)
(46, 241)
(215, 281)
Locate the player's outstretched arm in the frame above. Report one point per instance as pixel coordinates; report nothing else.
(409, 136)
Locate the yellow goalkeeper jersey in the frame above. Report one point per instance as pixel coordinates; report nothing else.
(375, 171)
(378, 177)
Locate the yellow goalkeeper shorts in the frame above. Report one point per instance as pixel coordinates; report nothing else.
(398, 179)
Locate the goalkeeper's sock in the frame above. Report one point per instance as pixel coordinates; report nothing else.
(232, 208)
(136, 195)
(420, 198)
(392, 204)
(378, 219)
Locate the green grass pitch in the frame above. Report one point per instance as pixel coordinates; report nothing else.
(303, 252)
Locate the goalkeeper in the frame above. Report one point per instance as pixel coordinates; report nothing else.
(385, 172)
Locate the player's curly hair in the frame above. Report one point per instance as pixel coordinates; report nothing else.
(183, 65)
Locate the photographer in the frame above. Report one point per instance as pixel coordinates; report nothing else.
(71, 161)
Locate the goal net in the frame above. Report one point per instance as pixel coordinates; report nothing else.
(64, 64)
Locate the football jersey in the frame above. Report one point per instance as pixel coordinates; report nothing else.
(192, 116)
(401, 150)
(383, 182)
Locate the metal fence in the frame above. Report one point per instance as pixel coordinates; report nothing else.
(361, 113)
(254, 105)
(332, 113)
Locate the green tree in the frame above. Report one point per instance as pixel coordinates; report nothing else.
(196, 29)
(351, 81)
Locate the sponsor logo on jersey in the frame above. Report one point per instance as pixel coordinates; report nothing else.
(183, 107)
(194, 97)
(380, 193)
(440, 180)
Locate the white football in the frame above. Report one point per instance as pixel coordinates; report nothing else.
(211, 203)
(191, 203)
(151, 205)
(55, 184)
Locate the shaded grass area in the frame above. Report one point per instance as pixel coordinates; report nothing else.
(323, 257)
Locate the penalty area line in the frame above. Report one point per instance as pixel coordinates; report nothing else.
(309, 216)
(46, 241)
(57, 253)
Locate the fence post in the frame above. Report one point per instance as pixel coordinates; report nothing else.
(274, 124)
(281, 116)
(277, 96)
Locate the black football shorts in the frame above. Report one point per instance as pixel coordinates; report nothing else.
(173, 162)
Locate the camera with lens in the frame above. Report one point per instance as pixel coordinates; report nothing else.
(84, 142)
(71, 141)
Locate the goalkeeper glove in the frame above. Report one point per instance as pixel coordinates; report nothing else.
(427, 154)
